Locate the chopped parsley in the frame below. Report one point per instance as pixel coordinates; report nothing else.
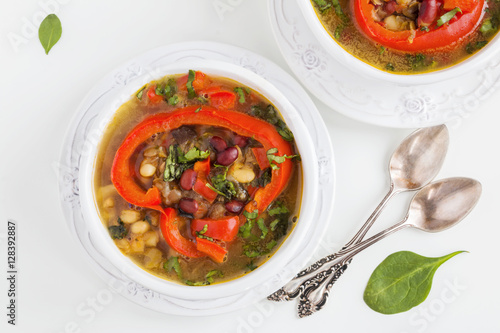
(275, 159)
(118, 231)
(177, 162)
(270, 115)
(140, 92)
(189, 84)
(279, 209)
(221, 185)
(241, 94)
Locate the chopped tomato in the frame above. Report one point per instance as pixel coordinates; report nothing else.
(200, 186)
(153, 97)
(201, 81)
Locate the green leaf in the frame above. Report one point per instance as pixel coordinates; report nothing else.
(445, 18)
(488, 27)
(189, 84)
(402, 281)
(173, 100)
(221, 185)
(49, 32)
(473, 47)
(210, 275)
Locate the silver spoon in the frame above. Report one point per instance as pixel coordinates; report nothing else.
(414, 164)
(436, 207)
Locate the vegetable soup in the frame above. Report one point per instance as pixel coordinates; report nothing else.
(410, 36)
(198, 179)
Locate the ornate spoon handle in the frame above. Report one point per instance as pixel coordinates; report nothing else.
(315, 295)
(310, 275)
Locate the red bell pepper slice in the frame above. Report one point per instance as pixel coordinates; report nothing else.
(170, 231)
(220, 98)
(437, 38)
(200, 186)
(122, 170)
(224, 229)
(211, 249)
(466, 6)
(261, 157)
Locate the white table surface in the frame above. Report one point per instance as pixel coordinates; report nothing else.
(57, 289)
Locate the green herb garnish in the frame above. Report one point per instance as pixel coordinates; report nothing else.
(193, 155)
(118, 231)
(177, 162)
(445, 18)
(274, 224)
(263, 179)
(241, 93)
(210, 275)
(473, 47)
(278, 209)
(417, 61)
(262, 227)
(173, 100)
(275, 159)
(50, 32)
(197, 110)
(140, 92)
(222, 186)
(424, 28)
(189, 84)
(251, 266)
(271, 245)
(389, 67)
(270, 115)
(322, 4)
(173, 264)
(402, 281)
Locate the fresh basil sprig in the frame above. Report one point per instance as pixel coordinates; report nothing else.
(402, 281)
(50, 32)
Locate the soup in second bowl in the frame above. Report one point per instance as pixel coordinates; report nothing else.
(410, 36)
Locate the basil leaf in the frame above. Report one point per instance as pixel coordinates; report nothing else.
(49, 32)
(189, 84)
(445, 18)
(402, 281)
(118, 231)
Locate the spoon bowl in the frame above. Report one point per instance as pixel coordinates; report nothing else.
(418, 159)
(443, 204)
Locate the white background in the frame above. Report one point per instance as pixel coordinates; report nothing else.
(39, 95)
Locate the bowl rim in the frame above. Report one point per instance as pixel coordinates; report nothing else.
(309, 189)
(367, 70)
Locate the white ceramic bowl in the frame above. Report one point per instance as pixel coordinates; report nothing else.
(478, 60)
(291, 246)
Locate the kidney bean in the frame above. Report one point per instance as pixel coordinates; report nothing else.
(188, 205)
(188, 179)
(390, 7)
(228, 156)
(218, 143)
(240, 141)
(234, 206)
(428, 13)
